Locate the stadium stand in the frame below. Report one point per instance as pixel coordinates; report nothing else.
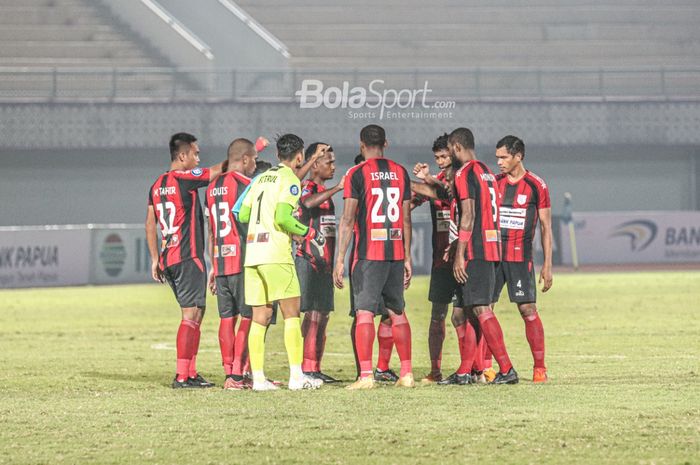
(78, 37)
(505, 33)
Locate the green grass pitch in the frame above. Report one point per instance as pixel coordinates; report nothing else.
(86, 374)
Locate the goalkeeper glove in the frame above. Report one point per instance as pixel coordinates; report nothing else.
(317, 241)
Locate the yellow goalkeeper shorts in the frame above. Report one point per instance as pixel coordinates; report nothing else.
(269, 282)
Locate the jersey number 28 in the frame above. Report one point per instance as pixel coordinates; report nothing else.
(393, 195)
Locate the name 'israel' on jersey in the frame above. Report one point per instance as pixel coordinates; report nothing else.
(475, 181)
(380, 186)
(229, 249)
(266, 242)
(179, 213)
(519, 214)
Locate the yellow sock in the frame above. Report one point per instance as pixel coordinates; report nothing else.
(293, 341)
(256, 347)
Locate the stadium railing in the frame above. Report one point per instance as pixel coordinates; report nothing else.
(55, 84)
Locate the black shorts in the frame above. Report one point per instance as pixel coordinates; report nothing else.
(520, 278)
(442, 286)
(316, 287)
(230, 296)
(353, 309)
(376, 284)
(480, 284)
(188, 280)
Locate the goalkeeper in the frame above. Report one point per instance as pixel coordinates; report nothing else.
(269, 266)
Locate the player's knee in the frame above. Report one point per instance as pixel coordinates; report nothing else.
(479, 309)
(398, 318)
(527, 310)
(439, 312)
(365, 318)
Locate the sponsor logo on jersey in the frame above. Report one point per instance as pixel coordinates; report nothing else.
(378, 234)
(197, 172)
(396, 234)
(228, 250)
(294, 189)
(519, 212)
(491, 235)
(512, 222)
(263, 237)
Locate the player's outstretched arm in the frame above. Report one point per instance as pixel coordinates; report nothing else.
(217, 169)
(284, 218)
(407, 236)
(314, 200)
(466, 224)
(152, 240)
(425, 190)
(545, 215)
(344, 235)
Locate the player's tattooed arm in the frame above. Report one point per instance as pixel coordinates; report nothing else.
(466, 224)
(344, 235)
(152, 240)
(545, 215)
(407, 233)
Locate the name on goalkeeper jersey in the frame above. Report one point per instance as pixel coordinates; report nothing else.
(383, 176)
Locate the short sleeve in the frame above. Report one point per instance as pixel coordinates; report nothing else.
(543, 196)
(194, 178)
(308, 188)
(354, 186)
(461, 185)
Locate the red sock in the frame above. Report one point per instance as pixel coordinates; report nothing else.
(353, 327)
(240, 352)
(227, 342)
(364, 339)
(386, 342)
(479, 355)
(535, 336)
(494, 338)
(466, 337)
(310, 335)
(195, 349)
(185, 333)
(401, 332)
(488, 356)
(321, 340)
(436, 338)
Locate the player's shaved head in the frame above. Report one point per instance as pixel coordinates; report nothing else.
(463, 137)
(240, 148)
(373, 136)
(513, 145)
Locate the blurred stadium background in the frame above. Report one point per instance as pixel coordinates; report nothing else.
(606, 95)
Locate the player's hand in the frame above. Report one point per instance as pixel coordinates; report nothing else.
(320, 152)
(546, 278)
(298, 239)
(421, 170)
(338, 273)
(407, 273)
(261, 143)
(341, 184)
(459, 269)
(211, 284)
(156, 273)
(449, 253)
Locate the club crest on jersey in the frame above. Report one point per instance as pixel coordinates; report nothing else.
(196, 172)
(522, 198)
(294, 189)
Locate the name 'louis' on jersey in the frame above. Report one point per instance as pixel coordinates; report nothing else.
(475, 181)
(229, 247)
(519, 213)
(380, 186)
(178, 211)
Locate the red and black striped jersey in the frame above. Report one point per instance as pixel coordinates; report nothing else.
(380, 186)
(519, 214)
(321, 218)
(443, 222)
(179, 213)
(476, 181)
(229, 249)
